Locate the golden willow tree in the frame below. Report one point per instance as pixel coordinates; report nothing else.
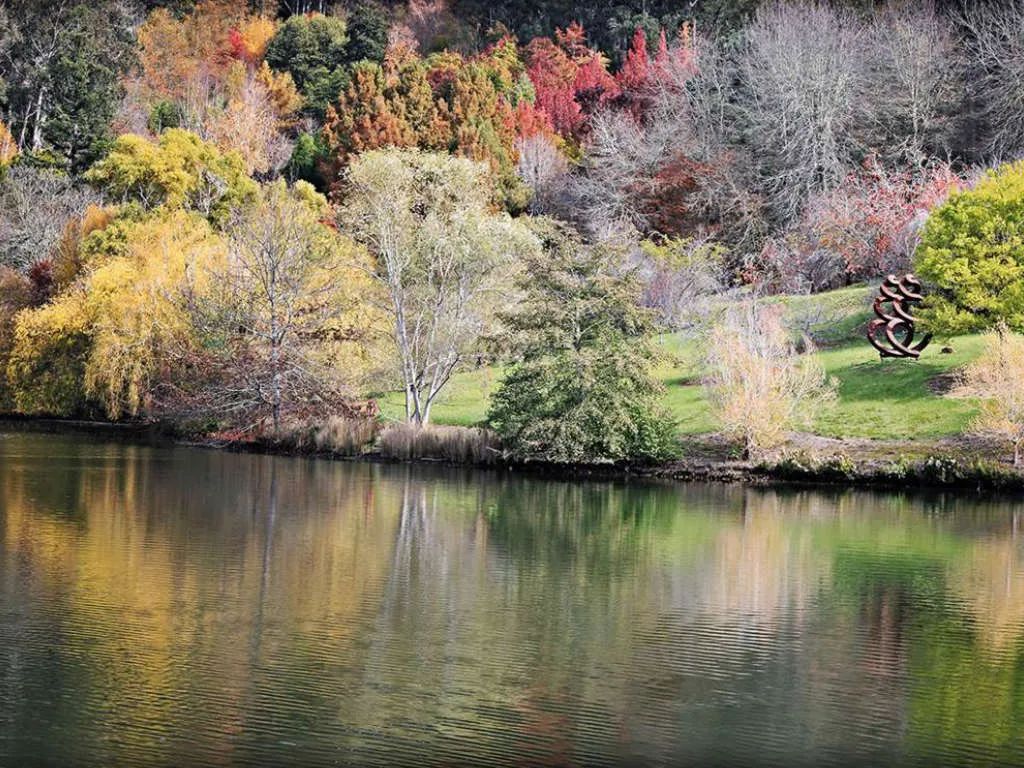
(202, 295)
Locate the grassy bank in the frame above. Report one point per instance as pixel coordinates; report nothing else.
(878, 399)
(892, 423)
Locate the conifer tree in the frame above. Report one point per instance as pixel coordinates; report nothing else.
(580, 389)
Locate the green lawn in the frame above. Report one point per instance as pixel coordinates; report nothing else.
(877, 399)
(891, 398)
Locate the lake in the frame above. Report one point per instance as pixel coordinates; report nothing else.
(165, 605)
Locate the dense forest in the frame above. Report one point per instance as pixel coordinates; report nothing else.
(246, 215)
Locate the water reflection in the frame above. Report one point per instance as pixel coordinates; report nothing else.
(176, 606)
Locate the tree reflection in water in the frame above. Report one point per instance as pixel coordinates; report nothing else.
(173, 605)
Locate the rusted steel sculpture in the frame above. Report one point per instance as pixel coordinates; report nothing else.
(897, 323)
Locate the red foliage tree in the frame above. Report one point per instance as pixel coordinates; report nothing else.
(668, 200)
(636, 69)
(532, 121)
(867, 226)
(570, 79)
(40, 276)
(237, 48)
(641, 75)
(873, 218)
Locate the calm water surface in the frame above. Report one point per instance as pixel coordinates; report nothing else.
(172, 606)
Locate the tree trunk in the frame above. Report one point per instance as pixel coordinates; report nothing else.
(413, 410)
(37, 128)
(275, 394)
(748, 449)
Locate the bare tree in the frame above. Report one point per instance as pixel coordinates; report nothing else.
(619, 164)
(249, 124)
(994, 38)
(997, 379)
(35, 206)
(678, 169)
(803, 73)
(759, 385)
(444, 259)
(679, 278)
(268, 315)
(915, 80)
(544, 169)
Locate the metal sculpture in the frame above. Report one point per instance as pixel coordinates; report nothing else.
(897, 323)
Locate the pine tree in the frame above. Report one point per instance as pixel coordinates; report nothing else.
(580, 389)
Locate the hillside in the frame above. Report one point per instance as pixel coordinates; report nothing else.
(878, 399)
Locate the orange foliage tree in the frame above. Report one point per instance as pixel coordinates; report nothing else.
(8, 146)
(205, 72)
(469, 107)
(177, 56)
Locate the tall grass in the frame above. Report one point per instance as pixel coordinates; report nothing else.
(338, 435)
(463, 445)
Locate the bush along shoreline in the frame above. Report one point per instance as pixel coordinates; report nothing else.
(939, 464)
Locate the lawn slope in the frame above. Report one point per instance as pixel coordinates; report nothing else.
(878, 399)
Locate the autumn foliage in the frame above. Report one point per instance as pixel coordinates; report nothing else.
(571, 80)
(148, 163)
(442, 102)
(8, 146)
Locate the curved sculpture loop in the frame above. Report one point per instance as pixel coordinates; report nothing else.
(896, 324)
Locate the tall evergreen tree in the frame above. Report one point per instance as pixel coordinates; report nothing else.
(313, 50)
(580, 388)
(63, 68)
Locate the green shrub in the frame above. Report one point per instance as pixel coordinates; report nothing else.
(46, 367)
(897, 471)
(972, 256)
(163, 115)
(580, 388)
(307, 156)
(838, 467)
(941, 470)
(792, 466)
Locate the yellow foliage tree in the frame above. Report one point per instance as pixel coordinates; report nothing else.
(177, 170)
(250, 38)
(108, 338)
(283, 94)
(139, 324)
(46, 366)
(15, 295)
(759, 385)
(67, 256)
(8, 146)
(997, 378)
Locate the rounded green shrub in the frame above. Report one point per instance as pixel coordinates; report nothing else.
(971, 256)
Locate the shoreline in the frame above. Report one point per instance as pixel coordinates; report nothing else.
(948, 464)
